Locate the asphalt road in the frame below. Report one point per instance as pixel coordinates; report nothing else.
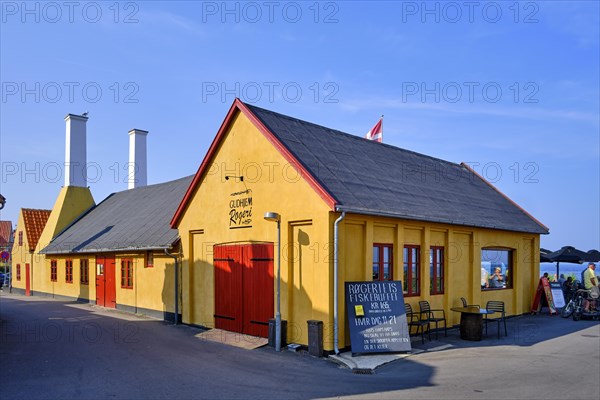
(61, 350)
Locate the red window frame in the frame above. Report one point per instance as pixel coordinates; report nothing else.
(20, 238)
(69, 271)
(18, 272)
(53, 270)
(412, 273)
(149, 259)
(126, 274)
(436, 269)
(383, 256)
(84, 271)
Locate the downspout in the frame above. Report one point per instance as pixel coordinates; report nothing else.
(176, 280)
(335, 281)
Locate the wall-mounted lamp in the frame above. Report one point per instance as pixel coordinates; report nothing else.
(2, 201)
(241, 178)
(275, 217)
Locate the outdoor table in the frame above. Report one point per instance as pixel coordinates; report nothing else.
(471, 322)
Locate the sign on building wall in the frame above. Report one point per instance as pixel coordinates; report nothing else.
(240, 209)
(376, 317)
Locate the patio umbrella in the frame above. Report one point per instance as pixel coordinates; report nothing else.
(568, 254)
(544, 255)
(593, 256)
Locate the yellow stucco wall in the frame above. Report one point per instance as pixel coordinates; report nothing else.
(20, 254)
(462, 253)
(61, 287)
(276, 186)
(153, 287)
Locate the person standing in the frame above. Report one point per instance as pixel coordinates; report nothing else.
(589, 277)
(589, 283)
(562, 280)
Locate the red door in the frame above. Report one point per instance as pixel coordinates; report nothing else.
(258, 289)
(244, 288)
(105, 282)
(27, 281)
(228, 288)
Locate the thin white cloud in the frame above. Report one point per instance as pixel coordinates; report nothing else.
(169, 19)
(526, 112)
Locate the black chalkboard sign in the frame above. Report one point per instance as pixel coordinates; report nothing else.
(376, 317)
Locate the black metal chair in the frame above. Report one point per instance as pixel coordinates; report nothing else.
(430, 315)
(464, 301)
(413, 320)
(498, 308)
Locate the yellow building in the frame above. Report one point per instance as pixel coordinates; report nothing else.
(120, 254)
(6, 243)
(350, 210)
(30, 225)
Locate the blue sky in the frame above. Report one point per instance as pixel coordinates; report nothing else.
(510, 87)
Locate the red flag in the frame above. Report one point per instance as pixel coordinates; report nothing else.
(376, 133)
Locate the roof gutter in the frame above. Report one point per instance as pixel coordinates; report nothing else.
(364, 211)
(93, 251)
(335, 280)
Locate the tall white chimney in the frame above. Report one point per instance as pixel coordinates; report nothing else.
(138, 175)
(75, 151)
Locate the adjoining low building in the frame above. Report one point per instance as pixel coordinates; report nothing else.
(121, 253)
(30, 225)
(398, 215)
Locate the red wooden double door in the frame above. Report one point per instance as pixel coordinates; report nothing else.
(244, 288)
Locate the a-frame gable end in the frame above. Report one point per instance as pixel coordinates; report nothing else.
(237, 107)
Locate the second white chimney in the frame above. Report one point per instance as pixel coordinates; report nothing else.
(138, 175)
(75, 151)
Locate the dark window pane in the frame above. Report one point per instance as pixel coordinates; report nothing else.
(375, 272)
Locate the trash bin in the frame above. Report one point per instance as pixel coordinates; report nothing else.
(272, 333)
(315, 338)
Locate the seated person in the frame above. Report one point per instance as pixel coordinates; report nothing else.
(568, 284)
(562, 280)
(497, 280)
(484, 278)
(569, 288)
